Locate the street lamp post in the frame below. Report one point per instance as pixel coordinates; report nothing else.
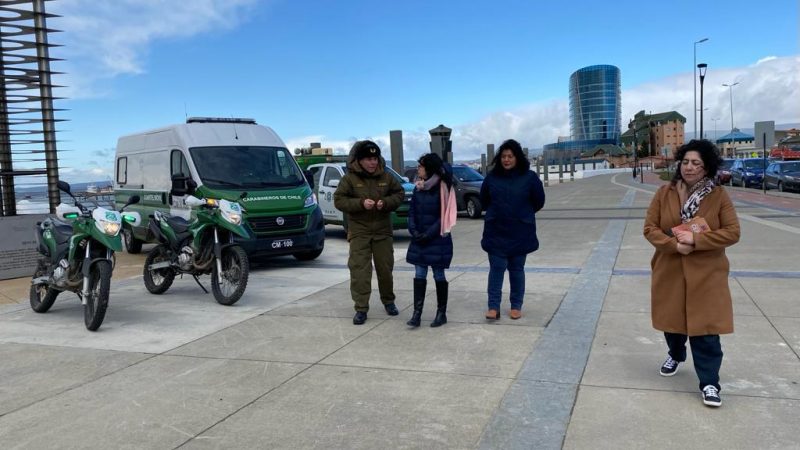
(694, 64)
(730, 88)
(715, 119)
(702, 67)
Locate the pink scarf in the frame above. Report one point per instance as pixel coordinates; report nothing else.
(448, 208)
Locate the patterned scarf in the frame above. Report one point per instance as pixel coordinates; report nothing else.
(696, 195)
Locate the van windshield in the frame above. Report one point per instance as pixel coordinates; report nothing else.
(233, 167)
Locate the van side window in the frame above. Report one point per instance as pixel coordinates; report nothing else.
(122, 170)
(178, 164)
(330, 175)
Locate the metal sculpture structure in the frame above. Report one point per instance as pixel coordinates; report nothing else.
(27, 116)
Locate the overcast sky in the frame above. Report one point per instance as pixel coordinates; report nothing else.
(333, 72)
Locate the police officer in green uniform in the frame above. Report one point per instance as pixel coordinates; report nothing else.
(367, 195)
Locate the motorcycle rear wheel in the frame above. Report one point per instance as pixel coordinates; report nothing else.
(94, 311)
(42, 296)
(235, 270)
(159, 280)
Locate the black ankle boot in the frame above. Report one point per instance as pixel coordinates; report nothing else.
(420, 284)
(441, 304)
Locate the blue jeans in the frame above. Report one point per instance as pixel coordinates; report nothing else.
(421, 272)
(516, 278)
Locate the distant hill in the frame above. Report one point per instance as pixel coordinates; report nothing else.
(75, 187)
(689, 135)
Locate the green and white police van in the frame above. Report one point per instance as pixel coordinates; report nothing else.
(225, 158)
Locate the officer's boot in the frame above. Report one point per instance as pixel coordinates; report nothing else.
(441, 304)
(420, 284)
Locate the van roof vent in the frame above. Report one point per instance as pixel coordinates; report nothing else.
(220, 120)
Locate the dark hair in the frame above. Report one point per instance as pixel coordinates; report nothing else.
(523, 165)
(709, 153)
(433, 164)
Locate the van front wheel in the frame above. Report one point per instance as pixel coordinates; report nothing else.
(307, 256)
(133, 245)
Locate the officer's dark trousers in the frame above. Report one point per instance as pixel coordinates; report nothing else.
(706, 353)
(364, 251)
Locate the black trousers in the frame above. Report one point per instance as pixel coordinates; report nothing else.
(706, 353)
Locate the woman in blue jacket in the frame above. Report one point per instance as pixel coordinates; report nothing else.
(511, 194)
(432, 245)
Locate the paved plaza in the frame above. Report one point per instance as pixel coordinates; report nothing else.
(285, 368)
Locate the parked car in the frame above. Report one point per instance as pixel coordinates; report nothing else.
(783, 176)
(467, 182)
(724, 171)
(326, 177)
(747, 172)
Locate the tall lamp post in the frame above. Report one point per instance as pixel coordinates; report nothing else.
(715, 119)
(694, 64)
(702, 67)
(730, 88)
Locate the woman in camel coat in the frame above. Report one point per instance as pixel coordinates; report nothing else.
(690, 297)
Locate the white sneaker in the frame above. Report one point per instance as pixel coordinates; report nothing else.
(711, 396)
(669, 367)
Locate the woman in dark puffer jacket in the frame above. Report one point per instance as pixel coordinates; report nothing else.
(432, 245)
(511, 194)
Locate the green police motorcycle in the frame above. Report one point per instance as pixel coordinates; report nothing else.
(200, 246)
(77, 254)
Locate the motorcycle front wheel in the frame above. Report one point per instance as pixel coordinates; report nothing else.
(157, 281)
(42, 296)
(235, 270)
(94, 311)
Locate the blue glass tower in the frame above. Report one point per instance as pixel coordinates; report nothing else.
(594, 104)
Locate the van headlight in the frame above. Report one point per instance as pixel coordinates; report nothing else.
(311, 200)
(108, 227)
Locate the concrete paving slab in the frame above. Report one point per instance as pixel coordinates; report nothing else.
(30, 373)
(331, 302)
(329, 407)
(278, 338)
(158, 403)
(479, 350)
(606, 418)
(789, 329)
(140, 322)
(514, 427)
(627, 353)
(774, 299)
(628, 294)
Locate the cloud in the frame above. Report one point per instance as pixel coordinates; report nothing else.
(767, 90)
(106, 39)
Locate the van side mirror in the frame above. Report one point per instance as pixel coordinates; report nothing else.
(178, 185)
(310, 178)
(182, 185)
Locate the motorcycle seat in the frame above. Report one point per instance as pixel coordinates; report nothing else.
(178, 224)
(61, 230)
